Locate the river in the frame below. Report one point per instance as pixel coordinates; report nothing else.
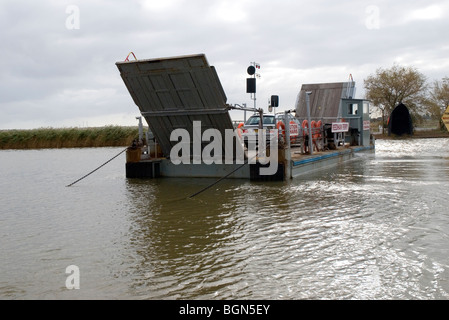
(376, 227)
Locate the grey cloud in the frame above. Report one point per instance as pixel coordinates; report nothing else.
(51, 72)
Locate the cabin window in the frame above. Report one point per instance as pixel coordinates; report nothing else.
(365, 107)
(353, 109)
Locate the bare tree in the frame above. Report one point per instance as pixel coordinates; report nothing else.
(389, 87)
(439, 99)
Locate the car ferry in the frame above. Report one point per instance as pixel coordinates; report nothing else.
(191, 134)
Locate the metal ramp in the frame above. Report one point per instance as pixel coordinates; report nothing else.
(325, 99)
(173, 92)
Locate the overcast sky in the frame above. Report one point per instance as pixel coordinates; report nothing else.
(58, 57)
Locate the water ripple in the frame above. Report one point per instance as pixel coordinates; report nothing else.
(372, 228)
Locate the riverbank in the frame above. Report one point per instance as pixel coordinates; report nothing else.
(112, 136)
(108, 136)
(424, 134)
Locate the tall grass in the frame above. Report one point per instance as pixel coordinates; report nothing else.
(108, 136)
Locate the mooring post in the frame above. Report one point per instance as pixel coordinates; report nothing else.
(308, 93)
(288, 153)
(140, 130)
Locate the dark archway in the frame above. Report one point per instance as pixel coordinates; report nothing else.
(400, 121)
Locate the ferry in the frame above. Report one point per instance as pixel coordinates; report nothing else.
(191, 133)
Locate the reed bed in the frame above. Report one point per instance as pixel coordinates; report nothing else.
(108, 136)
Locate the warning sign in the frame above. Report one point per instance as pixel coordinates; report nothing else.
(340, 127)
(445, 118)
(294, 129)
(366, 125)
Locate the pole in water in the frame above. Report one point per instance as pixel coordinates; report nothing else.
(69, 185)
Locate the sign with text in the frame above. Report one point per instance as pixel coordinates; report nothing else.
(294, 129)
(445, 118)
(366, 125)
(340, 127)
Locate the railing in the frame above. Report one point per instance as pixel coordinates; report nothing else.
(236, 123)
(302, 139)
(322, 135)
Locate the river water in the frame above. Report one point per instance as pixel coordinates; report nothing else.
(376, 227)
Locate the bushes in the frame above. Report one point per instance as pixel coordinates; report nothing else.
(108, 136)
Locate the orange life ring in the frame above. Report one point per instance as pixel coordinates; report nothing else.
(318, 125)
(282, 125)
(305, 124)
(314, 131)
(239, 132)
(239, 129)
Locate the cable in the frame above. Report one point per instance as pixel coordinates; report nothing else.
(195, 194)
(246, 162)
(69, 185)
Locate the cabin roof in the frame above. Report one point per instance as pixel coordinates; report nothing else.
(324, 100)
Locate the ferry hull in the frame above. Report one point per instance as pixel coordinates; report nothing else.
(287, 169)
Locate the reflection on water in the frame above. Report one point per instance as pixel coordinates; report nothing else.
(372, 228)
